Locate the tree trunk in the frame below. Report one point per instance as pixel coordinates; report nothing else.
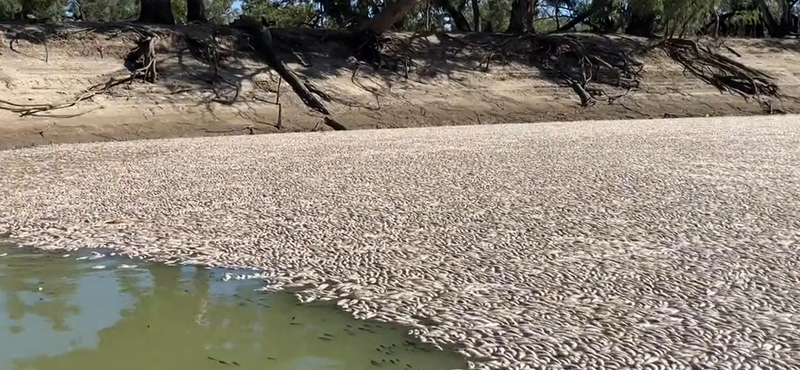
(787, 24)
(196, 11)
(519, 13)
(596, 6)
(776, 29)
(530, 15)
(156, 11)
(389, 16)
(457, 16)
(643, 19)
(476, 16)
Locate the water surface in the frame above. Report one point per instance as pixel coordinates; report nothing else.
(61, 313)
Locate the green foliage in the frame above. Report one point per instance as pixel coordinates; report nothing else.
(179, 11)
(106, 10)
(8, 8)
(745, 18)
(41, 9)
(683, 14)
(219, 11)
(496, 13)
(289, 14)
(671, 17)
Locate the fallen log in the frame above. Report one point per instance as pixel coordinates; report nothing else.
(261, 41)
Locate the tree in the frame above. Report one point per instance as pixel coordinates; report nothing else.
(642, 18)
(156, 11)
(456, 14)
(196, 11)
(521, 16)
(496, 14)
(220, 11)
(476, 16)
(594, 8)
(289, 15)
(39, 9)
(9, 9)
(783, 26)
(393, 13)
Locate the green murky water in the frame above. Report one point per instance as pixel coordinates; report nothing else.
(60, 313)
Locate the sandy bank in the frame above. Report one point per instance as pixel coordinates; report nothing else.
(447, 86)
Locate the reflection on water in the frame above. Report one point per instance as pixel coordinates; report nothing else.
(60, 313)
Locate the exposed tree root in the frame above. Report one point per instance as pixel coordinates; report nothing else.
(577, 61)
(209, 52)
(35, 109)
(381, 52)
(24, 35)
(720, 71)
(146, 52)
(146, 70)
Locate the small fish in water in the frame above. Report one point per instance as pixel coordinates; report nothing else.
(96, 255)
(217, 360)
(66, 255)
(98, 267)
(3, 255)
(81, 258)
(124, 266)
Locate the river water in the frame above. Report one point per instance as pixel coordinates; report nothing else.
(66, 312)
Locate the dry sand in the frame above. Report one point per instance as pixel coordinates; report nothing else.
(665, 244)
(441, 91)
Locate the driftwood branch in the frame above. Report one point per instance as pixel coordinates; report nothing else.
(261, 42)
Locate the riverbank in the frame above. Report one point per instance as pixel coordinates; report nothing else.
(451, 83)
(591, 244)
